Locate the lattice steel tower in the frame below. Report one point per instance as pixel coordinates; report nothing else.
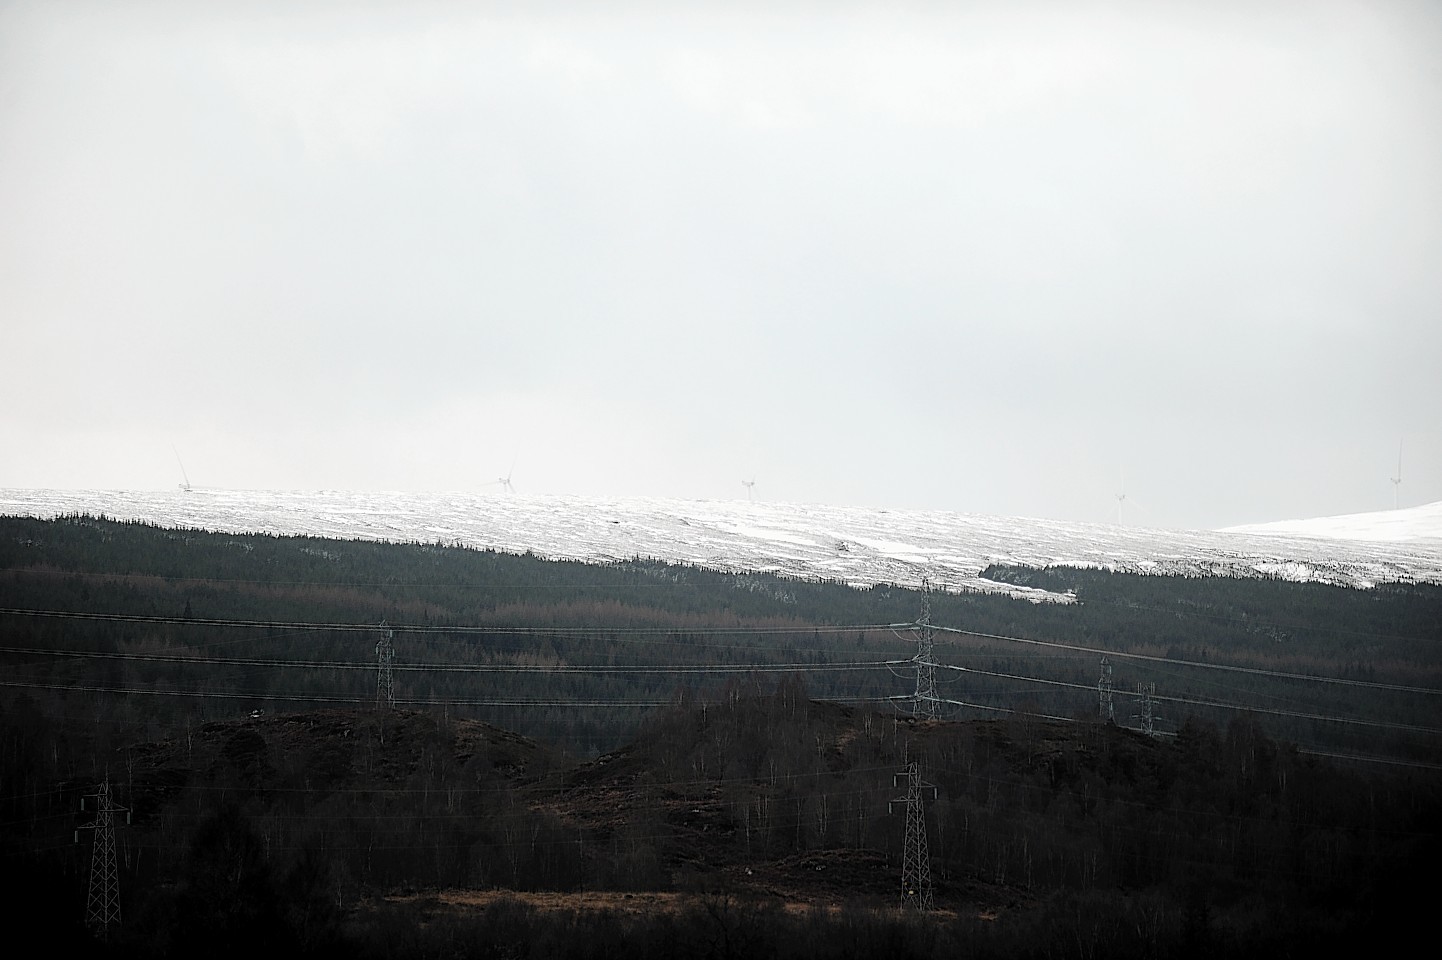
(925, 704)
(102, 906)
(1146, 691)
(1105, 706)
(385, 678)
(915, 858)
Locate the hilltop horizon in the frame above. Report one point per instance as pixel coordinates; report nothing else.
(1404, 523)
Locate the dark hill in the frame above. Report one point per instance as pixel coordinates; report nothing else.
(338, 825)
(775, 798)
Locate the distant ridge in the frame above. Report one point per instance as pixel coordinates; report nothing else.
(861, 546)
(1409, 525)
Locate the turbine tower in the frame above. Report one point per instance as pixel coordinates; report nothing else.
(1121, 496)
(1397, 480)
(185, 477)
(749, 485)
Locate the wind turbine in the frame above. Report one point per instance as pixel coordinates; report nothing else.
(505, 481)
(1121, 496)
(186, 485)
(749, 485)
(1397, 480)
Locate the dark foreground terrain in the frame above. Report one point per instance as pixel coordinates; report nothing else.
(643, 760)
(757, 825)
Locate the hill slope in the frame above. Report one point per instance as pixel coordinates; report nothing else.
(745, 816)
(1419, 525)
(857, 545)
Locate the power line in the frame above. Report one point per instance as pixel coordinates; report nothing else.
(1255, 671)
(1149, 696)
(310, 698)
(925, 699)
(621, 669)
(458, 668)
(647, 704)
(453, 629)
(1192, 701)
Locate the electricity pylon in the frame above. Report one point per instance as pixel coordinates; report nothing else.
(102, 906)
(385, 678)
(915, 858)
(1146, 691)
(1105, 707)
(925, 704)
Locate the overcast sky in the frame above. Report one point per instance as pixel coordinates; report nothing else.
(1003, 257)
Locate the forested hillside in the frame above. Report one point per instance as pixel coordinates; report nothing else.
(144, 628)
(720, 747)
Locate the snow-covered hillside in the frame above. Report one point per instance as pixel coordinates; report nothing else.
(1409, 525)
(853, 544)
